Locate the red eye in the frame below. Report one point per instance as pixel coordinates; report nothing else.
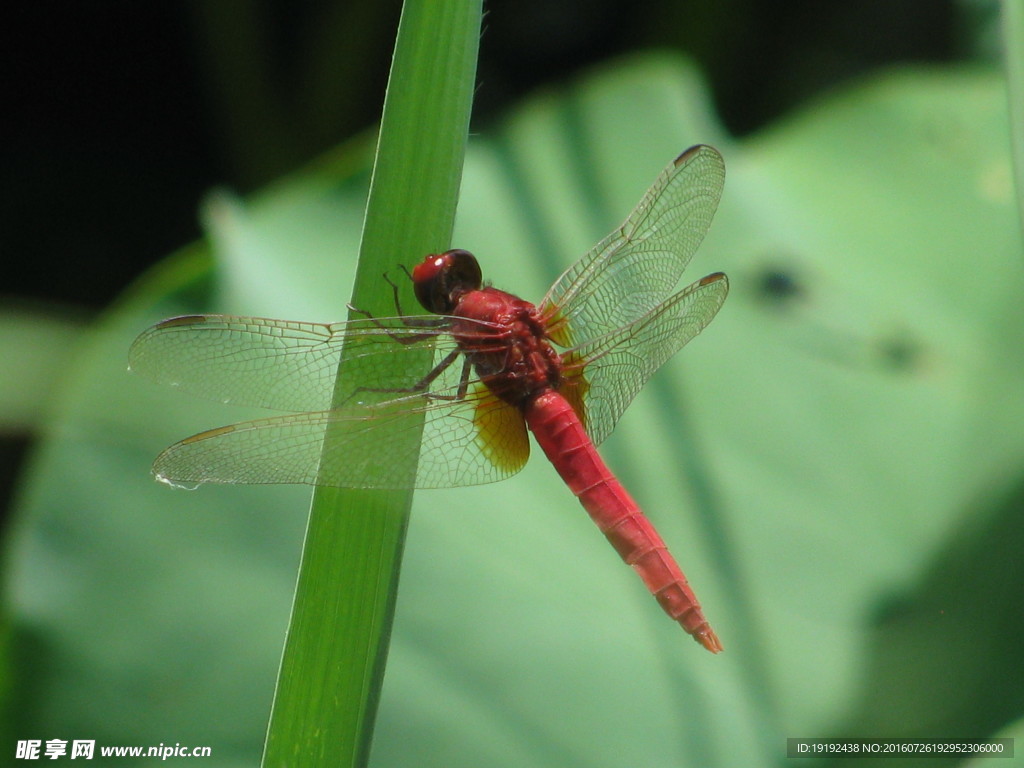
(440, 279)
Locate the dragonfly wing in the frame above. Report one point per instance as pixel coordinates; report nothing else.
(634, 268)
(608, 372)
(281, 364)
(474, 440)
(481, 440)
(244, 360)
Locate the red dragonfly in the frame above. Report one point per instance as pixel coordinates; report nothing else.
(565, 369)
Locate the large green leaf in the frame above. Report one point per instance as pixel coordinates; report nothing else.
(840, 442)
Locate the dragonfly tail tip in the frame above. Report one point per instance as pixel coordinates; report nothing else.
(707, 637)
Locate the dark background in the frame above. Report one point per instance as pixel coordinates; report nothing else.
(119, 115)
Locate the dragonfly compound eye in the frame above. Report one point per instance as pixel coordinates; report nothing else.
(439, 280)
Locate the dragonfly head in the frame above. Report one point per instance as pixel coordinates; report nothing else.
(441, 279)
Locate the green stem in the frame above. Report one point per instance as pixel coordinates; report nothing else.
(333, 664)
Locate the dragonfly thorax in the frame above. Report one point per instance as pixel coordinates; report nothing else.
(504, 339)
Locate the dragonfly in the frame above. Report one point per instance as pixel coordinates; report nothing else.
(564, 369)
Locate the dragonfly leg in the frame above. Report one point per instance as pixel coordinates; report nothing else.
(422, 386)
(409, 322)
(394, 288)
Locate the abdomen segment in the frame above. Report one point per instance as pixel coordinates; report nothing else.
(565, 442)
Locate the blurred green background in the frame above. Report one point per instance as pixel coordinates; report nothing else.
(837, 462)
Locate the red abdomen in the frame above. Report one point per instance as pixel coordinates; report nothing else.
(563, 439)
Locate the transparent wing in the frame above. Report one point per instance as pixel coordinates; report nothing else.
(478, 439)
(469, 436)
(286, 365)
(606, 373)
(634, 268)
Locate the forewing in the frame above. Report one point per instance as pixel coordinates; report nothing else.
(634, 268)
(607, 373)
(468, 441)
(282, 364)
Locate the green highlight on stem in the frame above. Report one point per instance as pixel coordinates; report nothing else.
(1013, 58)
(332, 668)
